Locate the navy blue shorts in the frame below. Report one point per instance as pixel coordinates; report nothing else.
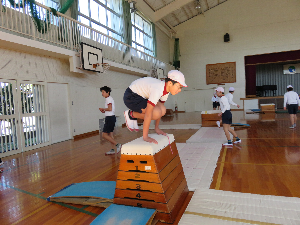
(134, 101)
(215, 105)
(227, 117)
(109, 125)
(292, 108)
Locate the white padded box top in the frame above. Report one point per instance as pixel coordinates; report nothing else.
(267, 104)
(141, 147)
(211, 111)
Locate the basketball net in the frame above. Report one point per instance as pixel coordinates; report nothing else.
(105, 66)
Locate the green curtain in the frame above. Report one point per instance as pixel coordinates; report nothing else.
(154, 40)
(127, 28)
(43, 25)
(176, 61)
(72, 4)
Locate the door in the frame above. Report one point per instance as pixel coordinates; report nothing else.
(34, 115)
(9, 119)
(59, 112)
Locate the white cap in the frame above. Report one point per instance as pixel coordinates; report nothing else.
(177, 76)
(289, 86)
(231, 89)
(220, 89)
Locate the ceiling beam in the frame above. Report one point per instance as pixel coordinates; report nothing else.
(177, 4)
(185, 12)
(207, 6)
(176, 18)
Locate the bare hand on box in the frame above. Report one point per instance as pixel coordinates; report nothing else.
(159, 131)
(150, 140)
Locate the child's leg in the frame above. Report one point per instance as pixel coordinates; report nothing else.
(158, 111)
(108, 130)
(293, 118)
(232, 131)
(226, 128)
(110, 138)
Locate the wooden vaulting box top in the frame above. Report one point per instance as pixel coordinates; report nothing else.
(141, 147)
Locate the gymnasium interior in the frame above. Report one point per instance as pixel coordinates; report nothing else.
(55, 55)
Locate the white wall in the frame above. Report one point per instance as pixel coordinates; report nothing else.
(163, 48)
(84, 88)
(255, 27)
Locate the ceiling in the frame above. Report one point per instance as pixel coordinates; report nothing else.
(175, 12)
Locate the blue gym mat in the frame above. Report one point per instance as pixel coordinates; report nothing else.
(255, 110)
(97, 189)
(121, 214)
(240, 125)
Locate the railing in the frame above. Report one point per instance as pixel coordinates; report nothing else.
(66, 32)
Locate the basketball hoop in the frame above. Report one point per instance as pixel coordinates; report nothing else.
(105, 66)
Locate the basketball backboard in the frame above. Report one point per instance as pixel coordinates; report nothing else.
(90, 57)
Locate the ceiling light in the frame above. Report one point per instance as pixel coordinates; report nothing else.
(198, 5)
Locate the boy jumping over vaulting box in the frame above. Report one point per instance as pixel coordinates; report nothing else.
(145, 99)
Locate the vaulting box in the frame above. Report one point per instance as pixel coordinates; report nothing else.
(268, 108)
(151, 176)
(210, 117)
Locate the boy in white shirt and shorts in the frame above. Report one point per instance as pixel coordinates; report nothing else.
(110, 120)
(145, 99)
(291, 99)
(226, 118)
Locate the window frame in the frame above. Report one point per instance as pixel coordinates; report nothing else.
(143, 32)
(91, 20)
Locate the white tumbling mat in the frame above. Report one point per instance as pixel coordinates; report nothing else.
(189, 219)
(199, 163)
(241, 208)
(215, 207)
(209, 135)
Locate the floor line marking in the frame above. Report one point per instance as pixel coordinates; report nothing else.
(258, 164)
(34, 161)
(229, 218)
(218, 184)
(269, 138)
(48, 203)
(30, 214)
(93, 179)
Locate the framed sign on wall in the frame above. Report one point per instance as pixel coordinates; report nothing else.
(221, 73)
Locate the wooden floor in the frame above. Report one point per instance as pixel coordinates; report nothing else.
(267, 162)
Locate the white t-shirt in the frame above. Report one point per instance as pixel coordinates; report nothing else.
(291, 97)
(109, 100)
(229, 96)
(150, 88)
(224, 104)
(214, 99)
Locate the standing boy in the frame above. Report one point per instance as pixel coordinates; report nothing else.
(229, 96)
(226, 117)
(145, 99)
(291, 99)
(215, 101)
(110, 120)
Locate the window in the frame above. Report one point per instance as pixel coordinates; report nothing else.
(102, 15)
(142, 38)
(50, 3)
